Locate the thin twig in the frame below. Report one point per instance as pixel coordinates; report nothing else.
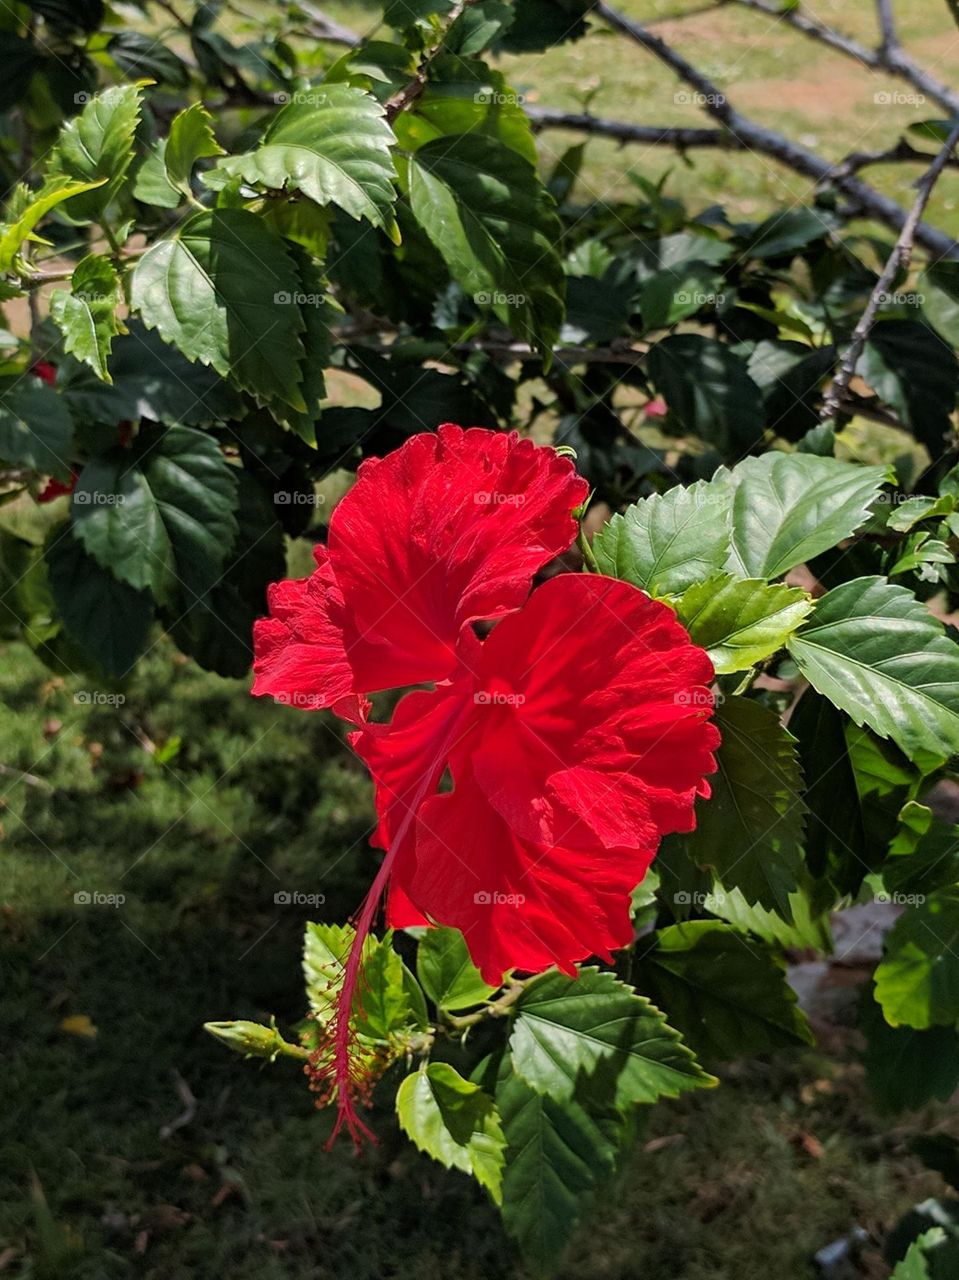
(410, 92)
(899, 260)
(764, 141)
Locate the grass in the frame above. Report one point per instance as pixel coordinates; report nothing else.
(97, 1177)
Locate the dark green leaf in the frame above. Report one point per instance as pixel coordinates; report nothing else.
(143, 57)
(911, 369)
(36, 428)
(879, 655)
(907, 1069)
(708, 390)
(917, 982)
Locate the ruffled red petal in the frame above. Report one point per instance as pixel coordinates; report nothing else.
(449, 528)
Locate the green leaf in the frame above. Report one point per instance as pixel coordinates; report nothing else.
(36, 206)
(143, 57)
(151, 184)
(87, 314)
(400, 14)
(190, 139)
(708, 390)
(108, 619)
(381, 1007)
(455, 1122)
(915, 1265)
(69, 15)
(728, 996)
(741, 621)
(835, 831)
(922, 865)
(805, 928)
(917, 982)
(595, 1033)
(675, 293)
(335, 149)
(540, 24)
(485, 209)
(878, 654)
(750, 831)
(478, 26)
(669, 542)
(465, 95)
(97, 147)
(790, 507)
(319, 313)
(557, 1156)
(36, 428)
(905, 1068)
(160, 517)
(448, 975)
(911, 369)
(222, 289)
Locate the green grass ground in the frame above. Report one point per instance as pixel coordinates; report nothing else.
(258, 799)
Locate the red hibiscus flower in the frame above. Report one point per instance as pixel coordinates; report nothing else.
(576, 734)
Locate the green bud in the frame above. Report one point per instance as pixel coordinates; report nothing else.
(254, 1040)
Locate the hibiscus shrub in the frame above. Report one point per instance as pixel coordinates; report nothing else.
(682, 694)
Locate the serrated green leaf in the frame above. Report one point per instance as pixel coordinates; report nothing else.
(726, 994)
(741, 621)
(141, 56)
(381, 1007)
(108, 619)
(594, 1032)
(465, 95)
(667, 543)
(161, 518)
(223, 290)
(190, 139)
(455, 1122)
(485, 209)
(911, 369)
(805, 927)
(319, 312)
(557, 1155)
(151, 184)
(33, 208)
(97, 148)
(790, 507)
(87, 314)
(335, 149)
(926, 855)
(915, 1265)
(917, 981)
(879, 655)
(448, 975)
(750, 831)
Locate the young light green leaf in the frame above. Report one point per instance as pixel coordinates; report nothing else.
(448, 975)
(162, 518)
(485, 209)
(381, 1005)
(151, 184)
(86, 315)
(190, 139)
(97, 147)
(917, 982)
(557, 1156)
(741, 621)
(32, 209)
(789, 507)
(750, 831)
(455, 1122)
(727, 994)
(879, 655)
(36, 428)
(223, 290)
(335, 149)
(669, 542)
(572, 1034)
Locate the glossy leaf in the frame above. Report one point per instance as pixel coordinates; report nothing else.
(669, 542)
(788, 508)
(741, 621)
(223, 290)
(34, 207)
(879, 655)
(917, 982)
(36, 428)
(87, 314)
(573, 1034)
(455, 1122)
(97, 147)
(190, 139)
(447, 973)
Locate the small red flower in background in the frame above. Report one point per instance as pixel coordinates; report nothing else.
(576, 733)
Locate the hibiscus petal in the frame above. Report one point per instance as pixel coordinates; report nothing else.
(300, 654)
(449, 528)
(597, 727)
(519, 905)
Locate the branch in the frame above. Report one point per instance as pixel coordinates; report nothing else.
(902, 153)
(890, 55)
(410, 92)
(755, 137)
(326, 28)
(899, 259)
